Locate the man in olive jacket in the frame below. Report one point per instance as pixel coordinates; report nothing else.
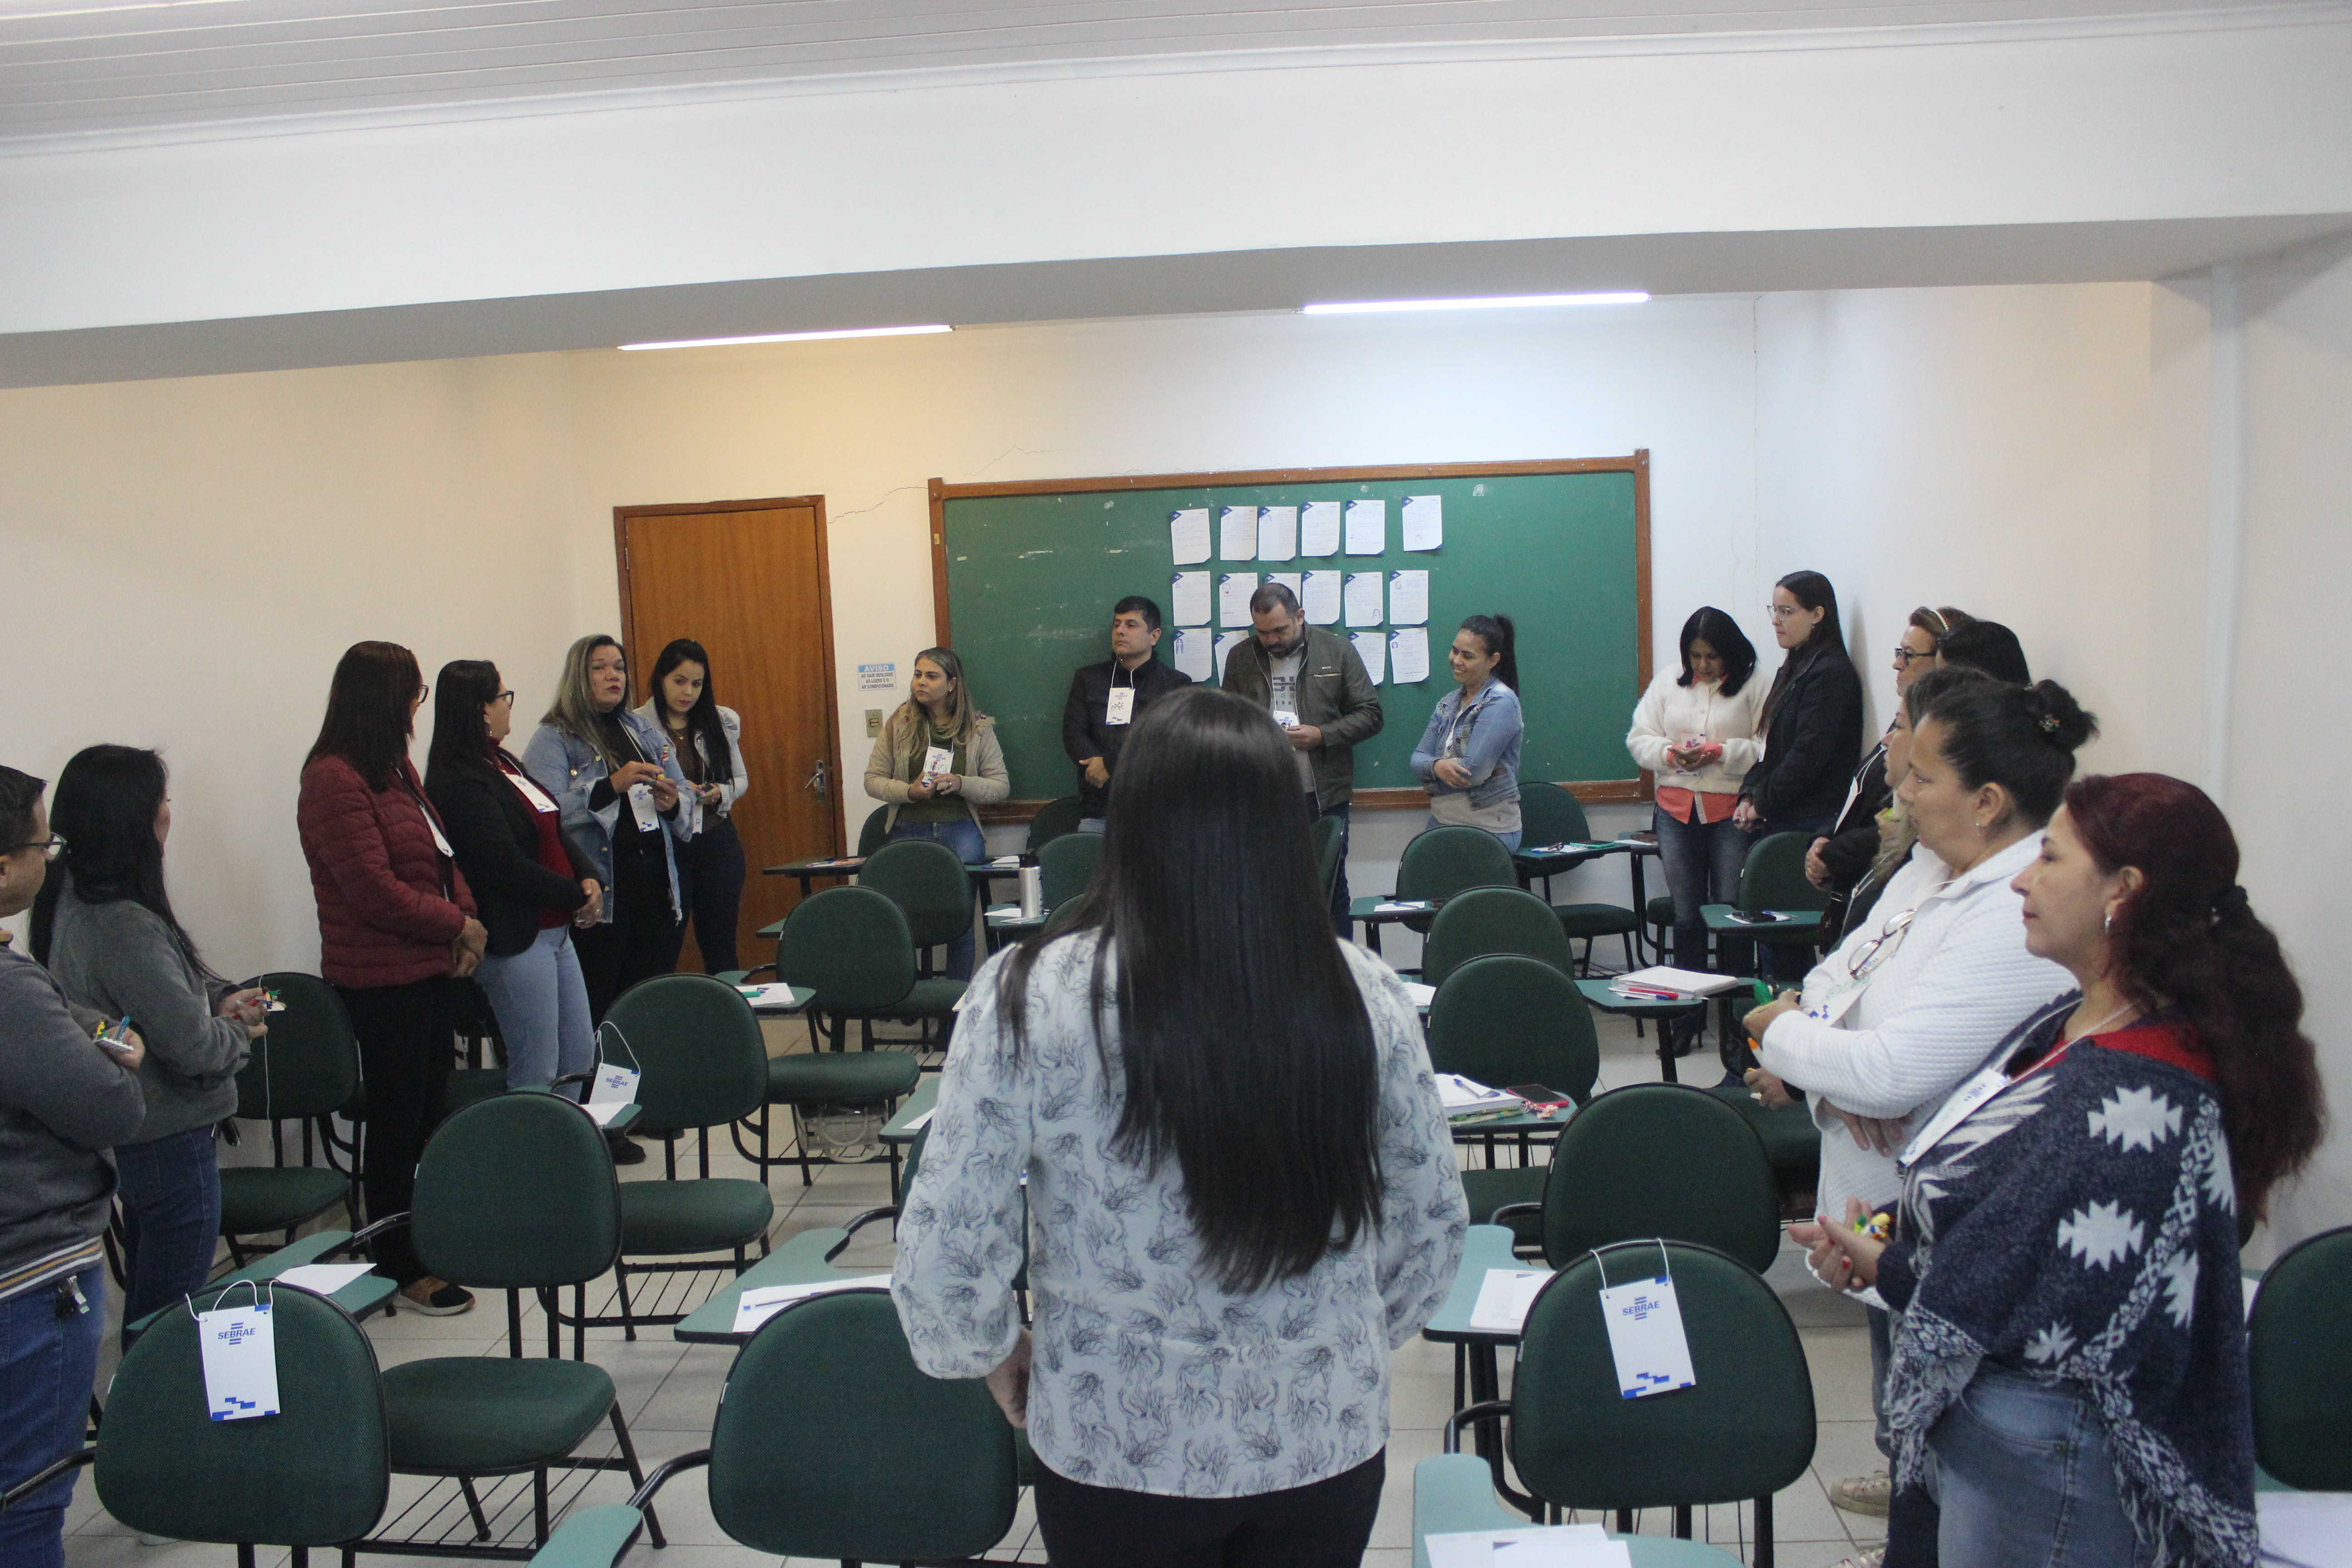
(1319, 693)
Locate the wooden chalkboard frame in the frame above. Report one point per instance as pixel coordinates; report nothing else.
(1636, 463)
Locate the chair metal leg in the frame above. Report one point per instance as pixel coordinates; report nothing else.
(1763, 1533)
(539, 1506)
(636, 1474)
(550, 1303)
(245, 1554)
(800, 1141)
(1682, 1521)
(474, 1507)
(580, 1320)
(628, 1312)
(1625, 1522)
(301, 1558)
(514, 1325)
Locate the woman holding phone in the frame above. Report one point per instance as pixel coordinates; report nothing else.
(707, 741)
(936, 759)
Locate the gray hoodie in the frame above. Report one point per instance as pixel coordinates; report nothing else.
(63, 1103)
(119, 958)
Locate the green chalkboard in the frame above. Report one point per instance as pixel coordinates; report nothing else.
(1025, 576)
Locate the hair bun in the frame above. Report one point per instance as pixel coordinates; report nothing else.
(2058, 716)
(2232, 901)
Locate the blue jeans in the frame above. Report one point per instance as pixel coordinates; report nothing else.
(2022, 1478)
(963, 835)
(1510, 840)
(48, 1360)
(1702, 861)
(171, 1194)
(541, 1001)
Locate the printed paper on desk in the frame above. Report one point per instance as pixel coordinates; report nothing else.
(1368, 527)
(1234, 591)
(1188, 598)
(776, 994)
(1237, 533)
(756, 1306)
(1372, 648)
(1363, 597)
(1318, 528)
(1408, 655)
(1645, 1336)
(1193, 644)
(614, 1085)
(1529, 1546)
(1408, 598)
(1277, 534)
(1503, 1297)
(1423, 521)
(1226, 643)
(1188, 535)
(326, 1278)
(1695, 981)
(240, 1354)
(1320, 595)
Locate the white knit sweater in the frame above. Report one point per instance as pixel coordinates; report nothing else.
(1959, 979)
(1668, 714)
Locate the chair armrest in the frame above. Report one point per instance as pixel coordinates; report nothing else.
(366, 1234)
(1507, 1209)
(593, 1537)
(737, 976)
(888, 1211)
(1490, 1410)
(568, 1078)
(44, 1477)
(662, 1473)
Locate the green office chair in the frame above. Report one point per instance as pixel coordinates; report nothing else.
(902, 1469)
(304, 1070)
(852, 946)
(516, 1193)
(316, 1474)
(1742, 1431)
(1504, 1020)
(1489, 921)
(1068, 864)
(876, 831)
(1551, 815)
(931, 886)
(703, 1063)
(1657, 1159)
(2299, 1361)
(1054, 819)
(1328, 835)
(1444, 861)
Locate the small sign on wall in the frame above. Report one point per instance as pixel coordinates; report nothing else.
(878, 677)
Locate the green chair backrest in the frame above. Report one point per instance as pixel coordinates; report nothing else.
(1063, 914)
(697, 1045)
(1494, 919)
(1053, 818)
(1444, 861)
(1774, 875)
(1549, 815)
(316, 1474)
(1069, 863)
(1329, 837)
(517, 1193)
(309, 1062)
(1660, 1159)
(1507, 1020)
(897, 1467)
(927, 883)
(1744, 1429)
(2299, 1356)
(876, 831)
(851, 946)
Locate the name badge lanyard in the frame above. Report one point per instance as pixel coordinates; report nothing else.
(1972, 1095)
(1645, 1332)
(641, 795)
(440, 840)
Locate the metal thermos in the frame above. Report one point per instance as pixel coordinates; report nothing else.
(1032, 892)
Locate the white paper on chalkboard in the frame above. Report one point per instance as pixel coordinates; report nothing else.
(1318, 528)
(1237, 533)
(1368, 527)
(1422, 521)
(1277, 532)
(1234, 591)
(1294, 581)
(1408, 598)
(1363, 595)
(1192, 652)
(1226, 643)
(1319, 597)
(1188, 598)
(1188, 535)
(1372, 648)
(1409, 654)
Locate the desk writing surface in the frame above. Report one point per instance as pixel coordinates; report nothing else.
(898, 1129)
(799, 1260)
(1485, 1247)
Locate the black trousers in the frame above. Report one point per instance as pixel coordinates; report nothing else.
(407, 1036)
(639, 941)
(710, 872)
(1322, 1525)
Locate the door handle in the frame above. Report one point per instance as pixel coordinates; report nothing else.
(817, 781)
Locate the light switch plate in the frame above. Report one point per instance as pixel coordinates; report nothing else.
(873, 722)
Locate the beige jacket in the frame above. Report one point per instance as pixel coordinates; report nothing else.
(886, 770)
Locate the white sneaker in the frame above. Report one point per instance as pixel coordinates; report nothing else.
(1867, 1494)
(1872, 1557)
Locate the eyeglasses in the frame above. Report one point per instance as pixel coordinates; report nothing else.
(1880, 948)
(1908, 656)
(1781, 612)
(50, 847)
(503, 697)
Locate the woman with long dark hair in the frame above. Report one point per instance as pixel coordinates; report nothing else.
(533, 883)
(1468, 759)
(936, 760)
(707, 741)
(1215, 1304)
(1699, 730)
(2064, 1261)
(395, 923)
(620, 789)
(103, 925)
(1811, 718)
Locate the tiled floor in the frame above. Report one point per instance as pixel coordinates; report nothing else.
(668, 1392)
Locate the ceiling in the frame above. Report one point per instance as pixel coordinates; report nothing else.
(73, 68)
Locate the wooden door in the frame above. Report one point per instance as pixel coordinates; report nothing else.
(747, 580)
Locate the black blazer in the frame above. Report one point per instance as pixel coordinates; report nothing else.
(1812, 743)
(1854, 841)
(1084, 733)
(496, 836)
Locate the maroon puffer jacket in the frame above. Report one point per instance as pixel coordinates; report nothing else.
(378, 877)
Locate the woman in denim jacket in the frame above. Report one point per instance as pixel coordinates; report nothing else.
(1468, 758)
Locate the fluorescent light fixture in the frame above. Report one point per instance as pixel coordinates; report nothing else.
(788, 338)
(1497, 302)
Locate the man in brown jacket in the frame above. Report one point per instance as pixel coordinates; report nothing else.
(1319, 693)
